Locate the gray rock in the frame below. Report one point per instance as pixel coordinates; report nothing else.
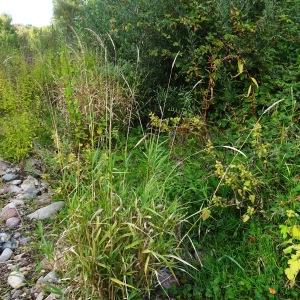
(3, 167)
(27, 196)
(14, 189)
(4, 237)
(40, 296)
(47, 211)
(9, 177)
(29, 184)
(17, 294)
(17, 235)
(4, 190)
(51, 297)
(10, 245)
(17, 202)
(166, 278)
(51, 277)
(24, 240)
(6, 255)
(16, 279)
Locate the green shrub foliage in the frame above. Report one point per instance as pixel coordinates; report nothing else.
(219, 45)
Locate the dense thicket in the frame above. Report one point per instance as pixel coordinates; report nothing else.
(219, 46)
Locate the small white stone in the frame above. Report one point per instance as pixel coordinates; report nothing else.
(16, 182)
(16, 279)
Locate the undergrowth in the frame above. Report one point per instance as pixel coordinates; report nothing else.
(193, 174)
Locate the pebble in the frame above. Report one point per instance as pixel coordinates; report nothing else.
(16, 294)
(4, 166)
(40, 296)
(9, 177)
(4, 237)
(24, 240)
(166, 279)
(16, 279)
(14, 189)
(12, 222)
(6, 255)
(10, 245)
(43, 200)
(27, 196)
(17, 235)
(51, 297)
(8, 212)
(4, 190)
(29, 184)
(17, 202)
(51, 277)
(47, 211)
(16, 182)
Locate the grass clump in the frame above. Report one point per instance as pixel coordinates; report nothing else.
(122, 227)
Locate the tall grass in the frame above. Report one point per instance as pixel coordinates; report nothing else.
(121, 226)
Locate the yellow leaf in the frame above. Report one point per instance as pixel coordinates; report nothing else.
(254, 81)
(206, 213)
(272, 291)
(240, 67)
(249, 90)
(245, 218)
(295, 232)
(146, 265)
(117, 281)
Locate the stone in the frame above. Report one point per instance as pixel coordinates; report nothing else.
(17, 235)
(12, 222)
(47, 211)
(51, 277)
(34, 167)
(3, 167)
(43, 200)
(16, 182)
(166, 279)
(10, 245)
(8, 212)
(16, 279)
(6, 255)
(16, 294)
(4, 237)
(4, 190)
(40, 296)
(47, 264)
(24, 240)
(17, 202)
(51, 297)
(14, 189)
(9, 177)
(29, 184)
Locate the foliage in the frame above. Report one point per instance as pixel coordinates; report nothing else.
(19, 104)
(8, 35)
(172, 131)
(222, 48)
